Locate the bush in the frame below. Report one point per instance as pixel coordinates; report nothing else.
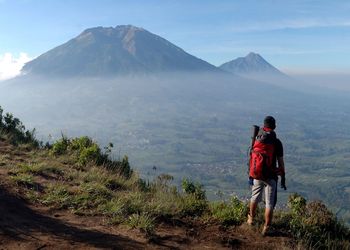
(80, 143)
(86, 150)
(193, 188)
(89, 154)
(194, 201)
(297, 204)
(232, 213)
(15, 131)
(314, 224)
(192, 206)
(60, 147)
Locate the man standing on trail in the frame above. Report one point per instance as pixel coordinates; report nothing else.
(266, 151)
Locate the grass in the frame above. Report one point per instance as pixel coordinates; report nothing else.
(93, 189)
(76, 174)
(229, 213)
(23, 179)
(144, 222)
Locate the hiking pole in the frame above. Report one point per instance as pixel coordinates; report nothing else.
(255, 131)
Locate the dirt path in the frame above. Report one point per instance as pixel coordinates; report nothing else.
(24, 227)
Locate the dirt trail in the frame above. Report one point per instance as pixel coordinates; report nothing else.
(34, 226)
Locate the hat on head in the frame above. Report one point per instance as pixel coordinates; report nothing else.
(270, 122)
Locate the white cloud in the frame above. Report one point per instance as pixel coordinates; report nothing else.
(10, 65)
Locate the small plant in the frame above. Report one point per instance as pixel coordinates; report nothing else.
(144, 222)
(297, 204)
(57, 195)
(232, 213)
(193, 188)
(192, 206)
(89, 154)
(112, 208)
(194, 201)
(60, 146)
(23, 179)
(125, 168)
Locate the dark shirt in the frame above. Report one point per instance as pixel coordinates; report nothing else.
(278, 153)
(278, 148)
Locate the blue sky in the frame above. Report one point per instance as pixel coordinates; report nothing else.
(293, 35)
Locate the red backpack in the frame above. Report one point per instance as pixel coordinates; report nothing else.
(262, 155)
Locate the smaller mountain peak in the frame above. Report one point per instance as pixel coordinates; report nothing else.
(253, 55)
(252, 63)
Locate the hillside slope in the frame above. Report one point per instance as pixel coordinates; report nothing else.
(27, 224)
(71, 195)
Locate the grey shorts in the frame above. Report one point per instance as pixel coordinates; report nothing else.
(270, 192)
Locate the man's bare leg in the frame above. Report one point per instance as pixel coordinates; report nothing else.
(268, 216)
(268, 220)
(252, 211)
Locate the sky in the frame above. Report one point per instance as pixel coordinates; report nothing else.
(296, 36)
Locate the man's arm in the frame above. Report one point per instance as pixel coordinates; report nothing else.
(281, 172)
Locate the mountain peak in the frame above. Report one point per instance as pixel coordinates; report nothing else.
(120, 50)
(254, 56)
(253, 63)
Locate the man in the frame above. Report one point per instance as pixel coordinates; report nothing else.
(263, 171)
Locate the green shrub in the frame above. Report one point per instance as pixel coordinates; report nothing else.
(232, 213)
(193, 188)
(86, 150)
(125, 168)
(80, 143)
(192, 206)
(194, 201)
(60, 147)
(15, 131)
(89, 154)
(297, 204)
(315, 225)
